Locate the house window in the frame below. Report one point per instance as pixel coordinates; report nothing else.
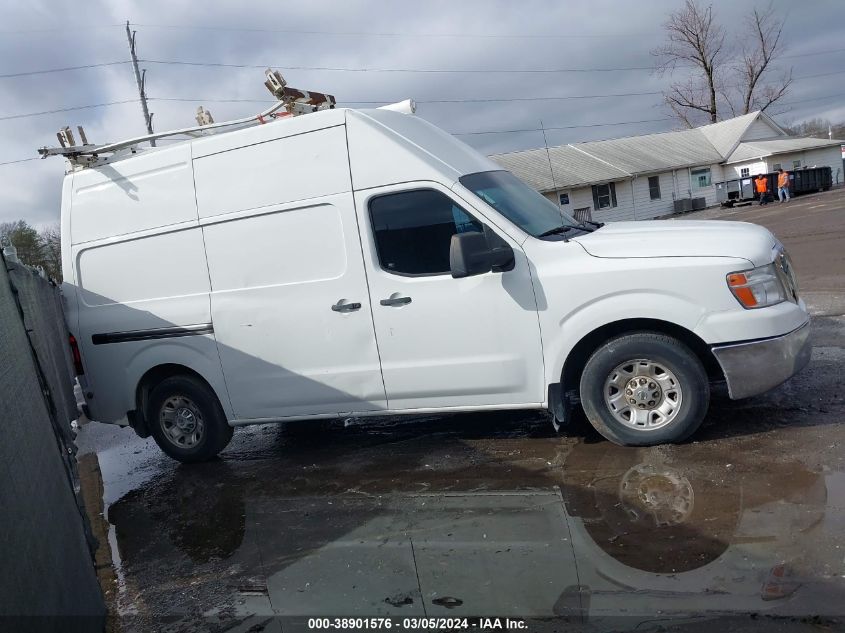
(745, 172)
(604, 196)
(776, 166)
(796, 164)
(413, 231)
(701, 177)
(564, 199)
(654, 187)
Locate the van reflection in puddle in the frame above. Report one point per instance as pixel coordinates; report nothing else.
(598, 534)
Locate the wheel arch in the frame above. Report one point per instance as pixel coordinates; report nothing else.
(577, 357)
(148, 381)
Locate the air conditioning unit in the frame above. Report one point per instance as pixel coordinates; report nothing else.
(683, 205)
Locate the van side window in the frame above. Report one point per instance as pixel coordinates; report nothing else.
(413, 230)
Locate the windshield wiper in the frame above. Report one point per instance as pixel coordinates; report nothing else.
(598, 225)
(558, 230)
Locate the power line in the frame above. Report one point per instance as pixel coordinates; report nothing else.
(431, 70)
(68, 28)
(562, 127)
(405, 70)
(422, 101)
(841, 94)
(462, 100)
(511, 99)
(832, 50)
(835, 72)
(60, 70)
(397, 70)
(82, 107)
(111, 103)
(20, 160)
(446, 35)
(556, 98)
(430, 101)
(192, 27)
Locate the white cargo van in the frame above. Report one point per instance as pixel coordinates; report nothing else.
(364, 262)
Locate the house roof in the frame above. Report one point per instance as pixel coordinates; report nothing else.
(757, 149)
(655, 152)
(616, 159)
(572, 167)
(725, 135)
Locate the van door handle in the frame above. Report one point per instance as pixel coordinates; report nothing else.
(340, 306)
(395, 301)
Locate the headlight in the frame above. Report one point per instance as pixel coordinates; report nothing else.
(757, 288)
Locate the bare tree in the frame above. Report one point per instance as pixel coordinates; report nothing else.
(762, 44)
(695, 40)
(719, 77)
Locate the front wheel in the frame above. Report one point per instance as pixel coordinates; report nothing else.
(643, 389)
(186, 419)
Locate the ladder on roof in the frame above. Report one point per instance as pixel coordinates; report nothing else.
(294, 102)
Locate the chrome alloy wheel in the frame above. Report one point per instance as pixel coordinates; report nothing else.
(181, 420)
(642, 394)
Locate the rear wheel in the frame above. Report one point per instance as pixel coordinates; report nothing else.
(643, 389)
(186, 419)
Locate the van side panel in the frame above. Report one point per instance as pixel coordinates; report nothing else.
(283, 251)
(129, 287)
(139, 268)
(146, 192)
(275, 278)
(273, 172)
(145, 275)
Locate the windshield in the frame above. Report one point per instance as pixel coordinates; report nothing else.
(518, 202)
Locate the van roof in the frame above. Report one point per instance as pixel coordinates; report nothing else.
(301, 158)
(428, 142)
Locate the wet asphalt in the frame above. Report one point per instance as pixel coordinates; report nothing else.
(488, 515)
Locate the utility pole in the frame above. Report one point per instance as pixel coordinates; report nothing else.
(140, 78)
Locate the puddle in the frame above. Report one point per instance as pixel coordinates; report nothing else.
(453, 518)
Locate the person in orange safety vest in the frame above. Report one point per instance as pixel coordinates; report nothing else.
(783, 185)
(761, 185)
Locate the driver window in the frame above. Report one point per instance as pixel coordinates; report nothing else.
(413, 230)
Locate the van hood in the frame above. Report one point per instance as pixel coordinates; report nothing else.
(681, 238)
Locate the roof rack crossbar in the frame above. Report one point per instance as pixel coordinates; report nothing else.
(95, 150)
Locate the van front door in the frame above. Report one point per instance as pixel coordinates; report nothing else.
(445, 342)
(291, 311)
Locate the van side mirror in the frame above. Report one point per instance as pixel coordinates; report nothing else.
(476, 253)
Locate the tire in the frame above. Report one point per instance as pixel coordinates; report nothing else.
(667, 408)
(186, 419)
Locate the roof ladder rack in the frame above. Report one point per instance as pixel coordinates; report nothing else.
(294, 102)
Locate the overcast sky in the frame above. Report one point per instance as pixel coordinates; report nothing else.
(372, 34)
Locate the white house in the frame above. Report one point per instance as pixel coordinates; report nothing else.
(640, 177)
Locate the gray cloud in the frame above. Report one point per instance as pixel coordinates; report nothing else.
(620, 35)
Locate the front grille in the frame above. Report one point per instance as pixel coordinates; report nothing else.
(783, 266)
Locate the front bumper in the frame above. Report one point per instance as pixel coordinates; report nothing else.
(757, 366)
